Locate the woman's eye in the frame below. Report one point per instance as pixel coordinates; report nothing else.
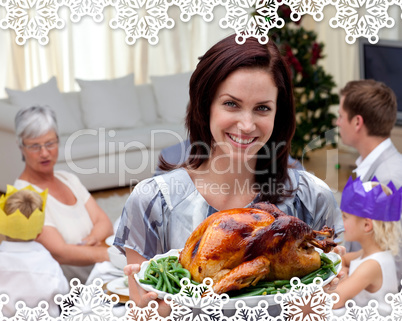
(230, 104)
(263, 108)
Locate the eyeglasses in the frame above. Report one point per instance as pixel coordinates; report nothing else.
(36, 148)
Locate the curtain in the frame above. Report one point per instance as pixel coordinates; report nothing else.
(91, 51)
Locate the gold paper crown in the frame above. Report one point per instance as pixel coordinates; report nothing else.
(17, 225)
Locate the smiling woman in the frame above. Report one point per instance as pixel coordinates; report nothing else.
(240, 120)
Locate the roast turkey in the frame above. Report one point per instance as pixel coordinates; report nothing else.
(239, 247)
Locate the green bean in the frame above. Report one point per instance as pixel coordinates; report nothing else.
(160, 283)
(182, 271)
(326, 259)
(163, 268)
(173, 278)
(151, 277)
(164, 274)
(278, 283)
(144, 281)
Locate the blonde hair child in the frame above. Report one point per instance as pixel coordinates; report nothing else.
(371, 215)
(25, 200)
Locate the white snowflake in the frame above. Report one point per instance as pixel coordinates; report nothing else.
(196, 302)
(395, 300)
(362, 18)
(190, 8)
(302, 7)
(251, 18)
(39, 313)
(32, 19)
(399, 3)
(86, 302)
(260, 312)
(149, 313)
(306, 302)
(357, 313)
(142, 18)
(93, 8)
(3, 301)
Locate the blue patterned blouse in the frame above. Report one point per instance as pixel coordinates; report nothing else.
(162, 211)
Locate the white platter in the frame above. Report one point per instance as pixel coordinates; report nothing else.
(250, 301)
(118, 286)
(144, 265)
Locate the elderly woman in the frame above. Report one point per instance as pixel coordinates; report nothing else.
(74, 225)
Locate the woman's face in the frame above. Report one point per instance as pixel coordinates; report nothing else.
(41, 153)
(243, 113)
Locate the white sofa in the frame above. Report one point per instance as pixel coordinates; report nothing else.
(111, 131)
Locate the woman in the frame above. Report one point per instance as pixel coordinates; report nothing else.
(74, 225)
(241, 120)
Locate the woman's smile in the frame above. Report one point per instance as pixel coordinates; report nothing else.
(246, 141)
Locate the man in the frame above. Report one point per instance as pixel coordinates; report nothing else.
(367, 114)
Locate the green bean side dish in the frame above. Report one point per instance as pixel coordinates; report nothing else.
(165, 274)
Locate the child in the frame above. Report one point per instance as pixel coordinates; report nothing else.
(28, 272)
(371, 214)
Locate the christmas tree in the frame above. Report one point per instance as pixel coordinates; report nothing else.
(313, 87)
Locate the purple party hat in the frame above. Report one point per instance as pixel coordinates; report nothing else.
(374, 203)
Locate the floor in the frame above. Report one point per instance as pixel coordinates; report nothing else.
(332, 165)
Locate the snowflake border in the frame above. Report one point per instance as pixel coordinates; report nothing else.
(237, 16)
(90, 303)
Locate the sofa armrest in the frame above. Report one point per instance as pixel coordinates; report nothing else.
(7, 112)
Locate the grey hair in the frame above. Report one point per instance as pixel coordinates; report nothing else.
(34, 121)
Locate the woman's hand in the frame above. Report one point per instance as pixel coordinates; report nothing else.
(72, 254)
(143, 297)
(90, 241)
(341, 251)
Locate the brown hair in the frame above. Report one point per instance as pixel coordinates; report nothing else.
(24, 200)
(375, 102)
(214, 67)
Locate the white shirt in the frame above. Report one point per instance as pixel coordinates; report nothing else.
(389, 281)
(29, 273)
(363, 165)
(72, 221)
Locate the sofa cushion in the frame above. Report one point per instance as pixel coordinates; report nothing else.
(89, 143)
(147, 101)
(110, 103)
(48, 94)
(7, 112)
(72, 100)
(172, 96)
